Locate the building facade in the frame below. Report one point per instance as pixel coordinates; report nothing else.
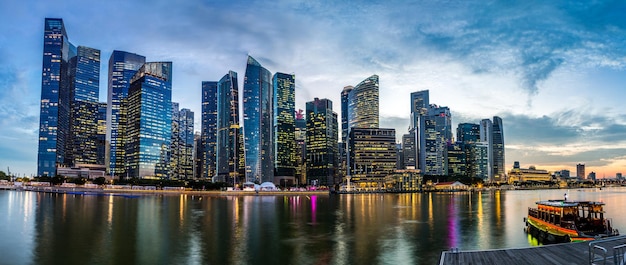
(321, 143)
(149, 121)
(363, 104)
(257, 123)
(284, 123)
(209, 129)
(372, 157)
(122, 67)
(229, 148)
(54, 104)
(182, 144)
(497, 131)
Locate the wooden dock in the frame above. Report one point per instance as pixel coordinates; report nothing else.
(607, 251)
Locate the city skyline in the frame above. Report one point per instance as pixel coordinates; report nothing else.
(554, 82)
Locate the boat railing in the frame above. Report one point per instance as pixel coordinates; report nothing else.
(618, 254)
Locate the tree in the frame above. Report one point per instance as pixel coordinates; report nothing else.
(100, 181)
(3, 175)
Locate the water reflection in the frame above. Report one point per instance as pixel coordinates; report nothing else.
(347, 229)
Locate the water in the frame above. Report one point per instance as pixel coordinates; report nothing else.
(42, 228)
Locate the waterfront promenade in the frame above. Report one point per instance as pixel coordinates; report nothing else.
(607, 251)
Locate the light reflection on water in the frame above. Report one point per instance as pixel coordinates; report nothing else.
(314, 229)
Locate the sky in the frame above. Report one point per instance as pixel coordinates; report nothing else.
(554, 71)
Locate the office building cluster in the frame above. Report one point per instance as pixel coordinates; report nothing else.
(248, 135)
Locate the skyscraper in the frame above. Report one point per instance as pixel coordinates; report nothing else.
(300, 134)
(149, 121)
(408, 149)
(181, 150)
(229, 147)
(419, 111)
(486, 134)
(54, 104)
(321, 142)
(438, 134)
(84, 78)
(363, 104)
(497, 137)
(122, 67)
(257, 123)
(284, 126)
(580, 171)
(372, 154)
(345, 96)
(468, 132)
(102, 133)
(209, 129)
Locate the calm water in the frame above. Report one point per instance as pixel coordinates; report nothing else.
(40, 228)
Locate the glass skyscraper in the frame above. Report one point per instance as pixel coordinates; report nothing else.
(345, 101)
(84, 77)
(229, 147)
(102, 133)
(122, 67)
(321, 142)
(486, 134)
(497, 137)
(373, 156)
(284, 125)
(420, 106)
(54, 104)
(181, 155)
(149, 121)
(363, 104)
(257, 123)
(208, 132)
(468, 132)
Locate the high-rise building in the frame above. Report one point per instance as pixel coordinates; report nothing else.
(345, 101)
(102, 133)
(408, 149)
(181, 150)
(438, 134)
(457, 162)
(363, 104)
(468, 133)
(321, 143)
(54, 104)
(372, 153)
(580, 171)
(209, 130)
(257, 123)
(419, 112)
(284, 111)
(122, 67)
(198, 156)
(229, 147)
(149, 121)
(300, 134)
(477, 160)
(84, 78)
(486, 136)
(497, 130)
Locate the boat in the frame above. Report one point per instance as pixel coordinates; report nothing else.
(560, 221)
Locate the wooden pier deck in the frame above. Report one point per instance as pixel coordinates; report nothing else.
(566, 253)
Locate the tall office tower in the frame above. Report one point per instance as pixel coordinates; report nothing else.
(477, 160)
(438, 134)
(186, 136)
(181, 150)
(419, 111)
(84, 78)
(345, 94)
(468, 133)
(497, 131)
(486, 134)
(198, 156)
(175, 150)
(580, 171)
(122, 67)
(54, 104)
(363, 104)
(457, 161)
(257, 123)
(300, 134)
(284, 126)
(372, 156)
(399, 157)
(229, 147)
(321, 142)
(102, 133)
(408, 149)
(149, 121)
(209, 130)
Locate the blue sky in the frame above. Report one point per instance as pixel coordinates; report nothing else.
(555, 72)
